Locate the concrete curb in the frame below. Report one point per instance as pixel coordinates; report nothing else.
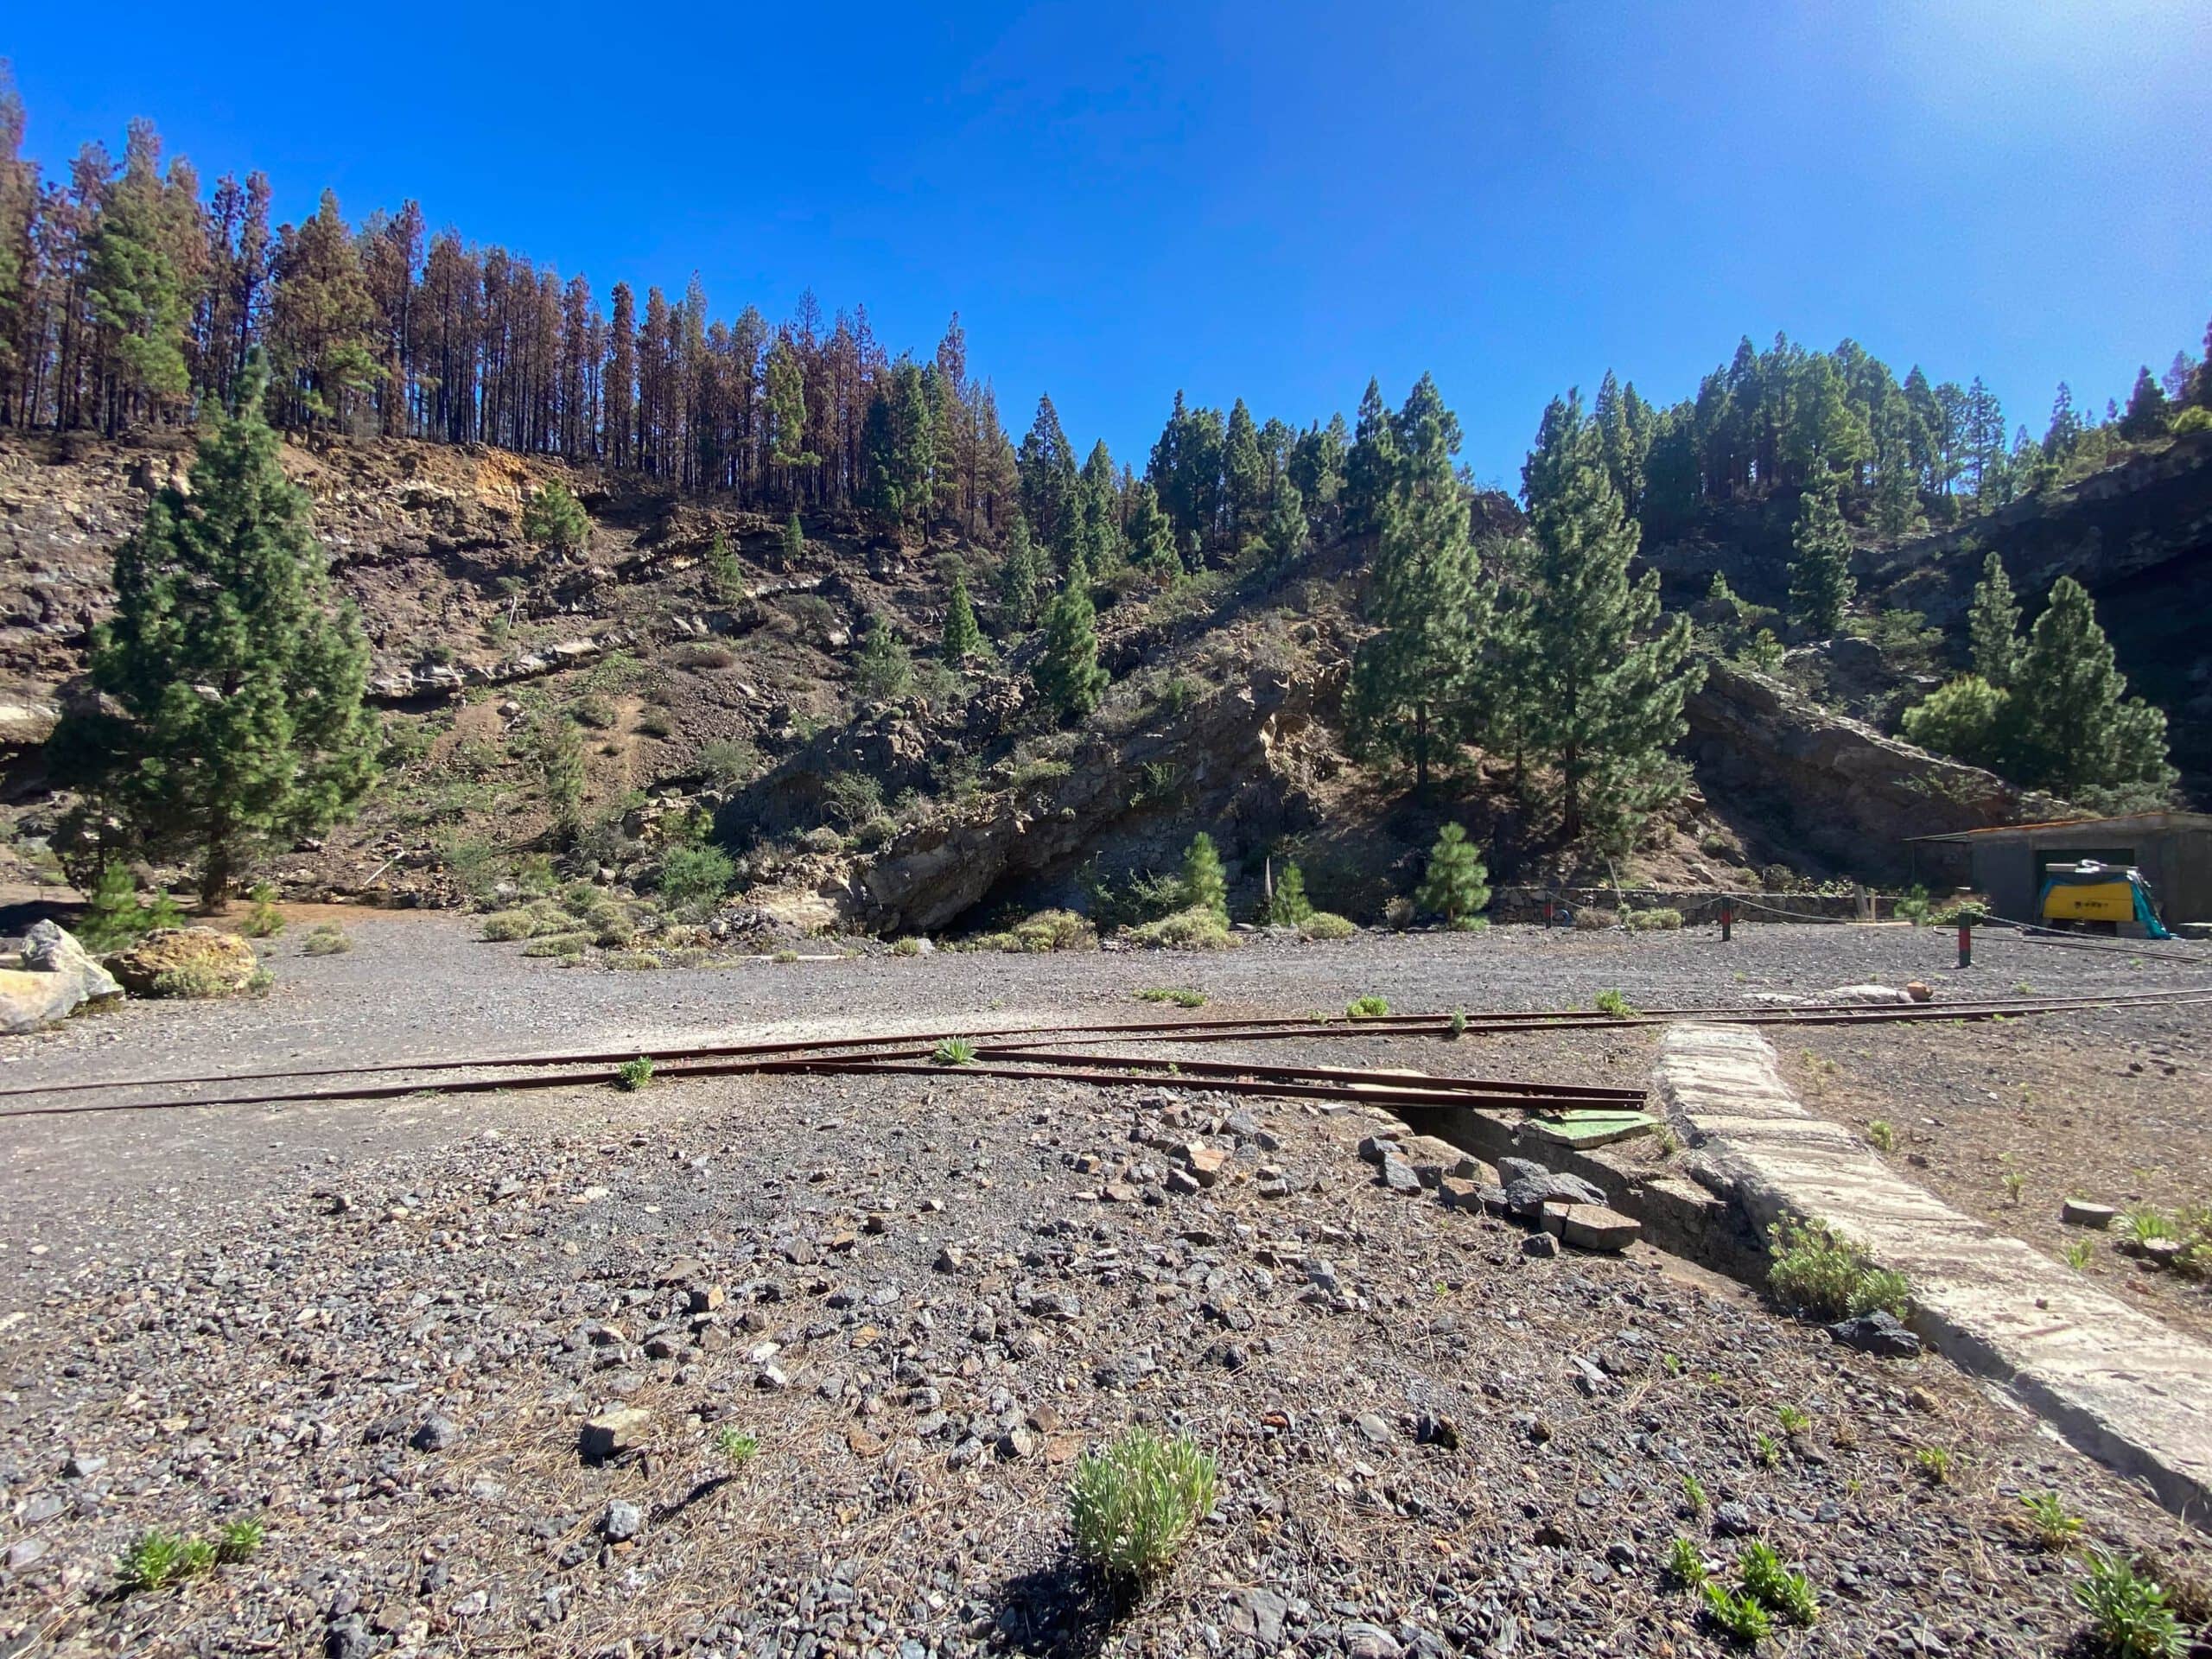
(2115, 1383)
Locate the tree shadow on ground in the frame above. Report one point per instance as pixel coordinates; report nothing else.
(1061, 1609)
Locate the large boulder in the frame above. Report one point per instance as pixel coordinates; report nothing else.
(56, 977)
(185, 961)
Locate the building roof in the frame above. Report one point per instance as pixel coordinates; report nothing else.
(2132, 823)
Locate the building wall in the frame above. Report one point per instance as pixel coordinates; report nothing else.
(2178, 863)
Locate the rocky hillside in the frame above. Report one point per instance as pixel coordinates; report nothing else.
(705, 698)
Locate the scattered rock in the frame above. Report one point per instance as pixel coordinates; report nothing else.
(2080, 1212)
(1880, 1332)
(623, 1521)
(437, 1432)
(1542, 1246)
(57, 977)
(196, 962)
(614, 1431)
(1592, 1227)
(1398, 1175)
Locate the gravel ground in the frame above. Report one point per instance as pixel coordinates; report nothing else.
(378, 1329)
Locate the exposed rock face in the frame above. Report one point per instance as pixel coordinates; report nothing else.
(1834, 785)
(1235, 755)
(185, 962)
(57, 977)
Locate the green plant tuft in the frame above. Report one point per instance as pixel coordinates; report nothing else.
(1134, 1506)
(1740, 1617)
(953, 1051)
(2047, 1518)
(1366, 1008)
(1614, 1006)
(1817, 1272)
(634, 1075)
(2129, 1616)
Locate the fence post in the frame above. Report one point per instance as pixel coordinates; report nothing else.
(1727, 917)
(1965, 941)
(1547, 911)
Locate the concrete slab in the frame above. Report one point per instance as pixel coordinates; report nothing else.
(2117, 1384)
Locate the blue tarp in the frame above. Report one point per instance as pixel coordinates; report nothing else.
(2094, 874)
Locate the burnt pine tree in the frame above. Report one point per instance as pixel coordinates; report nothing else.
(1601, 681)
(1410, 678)
(1067, 672)
(1819, 576)
(238, 685)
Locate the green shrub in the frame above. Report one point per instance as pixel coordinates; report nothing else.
(555, 518)
(329, 939)
(192, 981)
(953, 1051)
(556, 944)
(1962, 720)
(1614, 1006)
(634, 1075)
(1366, 1008)
(909, 946)
(1290, 908)
(1815, 1271)
(1053, 930)
(1738, 1615)
(1195, 929)
(657, 723)
(2129, 1617)
(594, 710)
(1663, 918)
(2053, 1527)
(239, 1540)
(1035, 775)
(727, 760)
(1179, 997)
(633, 962)
(1326, 927)
(695, 877)
(263, 920)
(1134, 1506)
(1205, 886)
(1775, 1586)
(113, 918)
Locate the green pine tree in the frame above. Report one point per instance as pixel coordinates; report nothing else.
(963, 639)
(1290, 905)
(724, 579)
(1244, 477)
(555, 518)
(239, 686)
(2073, 729)
(561, 768)
(794, 543)
(1067, 672)
(1820, 584)
(2148, 415)
(1021, 579)
(1411, 678)
(1599, 680)
(1993, 625)
(884, 670)
(1455, 884)
(1370, 465)
(1152, 534)
(1205, 885)
(1286, 537)
(135, 289)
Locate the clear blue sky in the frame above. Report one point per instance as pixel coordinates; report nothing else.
(1270, 200)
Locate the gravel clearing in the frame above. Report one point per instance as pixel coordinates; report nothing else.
(383, 1330)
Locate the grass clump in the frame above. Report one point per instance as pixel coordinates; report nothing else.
(239, 1540)
(263, 920)
(1738, 1615)
(634, 1075)
(2129, 1614)
(736, 1445)
(1881, 1137)
(1815, 1271)
(1134, 1506)
(1614, 1006)
(556, 944)
(1326, 927)
(953, 1051)
(1197, 928)
(1775, 1586)
(329, 939)
(1685, 1565)
(156, 1559)
(1181, 997)
(1933, 1463)
(633, 962)
(2050, 1521)
(909, 946)
(1366, 1008)
(504, 926)
(1660, 919)
(192, 980)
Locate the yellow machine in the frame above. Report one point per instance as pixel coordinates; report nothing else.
(2104, 902)
(2106, 897)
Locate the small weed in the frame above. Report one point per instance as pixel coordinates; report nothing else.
(239, 1540)
(1614, 1006)
(2014, 1181)
(1769, 1451)
(263, 920)
(2054, 1528)
(1135, 1506)
(1881, 1137)
(1738, 1616)
(329, 939)
(2145, 1223)
(153, 1560)
(1935, 1464)
(1366, 1008)
(634, 1075)
(1775, 1586)
(1459, 1027)
(2129, 1618)
(2079, 1253)
(1685, 1566)
(736, 1445)
(1818, 1272)
(909, 946)
(784, 958)
(1793, 1421)
(1693, 1494)
(953, 1051)
(1181, 997)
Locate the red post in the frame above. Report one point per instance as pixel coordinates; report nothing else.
(1548, 910)
(1966, 942)
(1727, 919)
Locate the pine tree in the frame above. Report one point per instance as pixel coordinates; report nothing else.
(724, 578)
(136, 290)
(1286, 537)
(1021, 579)
(1289, 906)
(1993, 625)
(1455, 884)
(561, 768)
(1820, 584)
(1205, 885)
(2148, 413)
(884, 670)
(2073, 729)
(1152, 536)
(1047, 470)
(963, 639)
(1067, 672)
(1411, 678)
(1370, 465)
(794, 545)
(1600, 681)
(1244, 477)
(553, 517)
(241, 725)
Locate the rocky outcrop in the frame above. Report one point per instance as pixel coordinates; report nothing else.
(1832, 784)
(55, 976)
(185, 961)
(1235, 756)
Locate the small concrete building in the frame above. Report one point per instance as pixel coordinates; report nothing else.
(2172, 850)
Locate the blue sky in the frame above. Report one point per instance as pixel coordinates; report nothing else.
(1275, 201)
